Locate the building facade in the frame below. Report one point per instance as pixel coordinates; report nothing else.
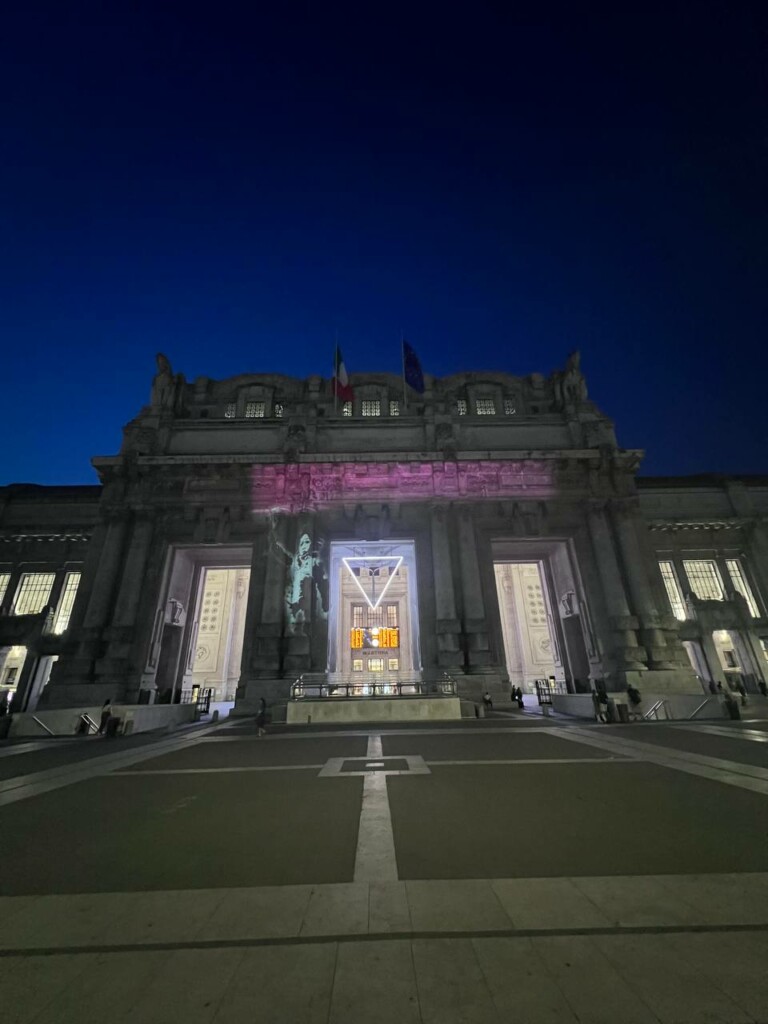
(255, 531)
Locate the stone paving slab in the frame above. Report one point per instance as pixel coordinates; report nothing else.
(257, 751)
(498, 746)
(182, 831)
(302, 914)
(709, 744)
(646, 979)
(537, 819)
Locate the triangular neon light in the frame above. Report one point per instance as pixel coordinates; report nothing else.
(397, 559)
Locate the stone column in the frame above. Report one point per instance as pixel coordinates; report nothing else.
(28, 670)
(266, 649)
(478, 653)
(757, 561)
(447, 625)
(106, 575)
(129, 594)
(627, 654)
(625, 517)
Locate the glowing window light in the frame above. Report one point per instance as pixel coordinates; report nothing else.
(673, 590)
(360, 560)
(741, 586)
(67, 602)
(704, 579)
(33, 593)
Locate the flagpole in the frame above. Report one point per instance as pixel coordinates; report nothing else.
(334, 378)
(402, 359)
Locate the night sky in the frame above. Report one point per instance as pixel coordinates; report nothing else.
(233, 184)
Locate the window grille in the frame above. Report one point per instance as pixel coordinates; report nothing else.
(255, 410)
(485, 407)
(231, 411)
(461, 407)
(33, 593)
(673, 590)
(392, 616)
(394, 664)
(740, 585)
(371, 407)
(346, 409)
(509, 407)
(278, 410)
(5, 579)
(67, 602)
(357, 664)
(357, 616)
(704, 579)
(375, 664)
(394, 408)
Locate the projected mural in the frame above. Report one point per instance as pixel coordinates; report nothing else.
(296, 487)
(307, 580)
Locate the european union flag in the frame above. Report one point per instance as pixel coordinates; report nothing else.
(412, 371)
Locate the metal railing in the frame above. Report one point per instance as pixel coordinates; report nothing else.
(653, 711)
(301, 690)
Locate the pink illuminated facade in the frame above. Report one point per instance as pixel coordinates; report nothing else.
(253, 531)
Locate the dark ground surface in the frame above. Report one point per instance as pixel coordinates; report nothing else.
(250, 827)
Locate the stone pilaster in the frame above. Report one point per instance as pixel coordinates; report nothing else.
(626, 653)
(447, 625)
(625, 516)
(475, 626)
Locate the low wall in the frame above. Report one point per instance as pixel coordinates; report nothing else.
(64, 721)
(676, 706)
(373, 709)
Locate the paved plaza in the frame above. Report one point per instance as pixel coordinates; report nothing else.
(512, 869)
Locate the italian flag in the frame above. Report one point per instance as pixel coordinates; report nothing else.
(341, 386)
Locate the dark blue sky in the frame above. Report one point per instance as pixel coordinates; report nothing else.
(231, 184)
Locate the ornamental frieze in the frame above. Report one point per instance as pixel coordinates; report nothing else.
(294, 487)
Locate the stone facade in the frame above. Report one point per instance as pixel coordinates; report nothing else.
(271, 474)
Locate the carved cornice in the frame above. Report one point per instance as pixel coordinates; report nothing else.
(678, 525)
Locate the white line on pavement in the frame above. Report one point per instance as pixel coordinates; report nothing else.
(375, 857)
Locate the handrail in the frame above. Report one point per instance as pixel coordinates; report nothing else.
(698, 709)
(654, 710)
(91, 724)
(365, 688)
(43, 726)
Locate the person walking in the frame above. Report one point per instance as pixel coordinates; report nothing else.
(261, 718)
(106, 714)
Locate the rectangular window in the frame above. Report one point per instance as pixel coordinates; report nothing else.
(394, 664)
(729, 657)
(10, 675)
(357, 664)
(255, 410)
(375, 664)
(278, 410)
(33, 593)
(67, 602)
(740, 585)
(371, 407)
(461, 407)
(673, 590)
(5, 579)
(357, 616)
(231, 411)
(346, 409)
(392, 616)
(704, 578)
(394, 408)
(485, 407)
(509, 407)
